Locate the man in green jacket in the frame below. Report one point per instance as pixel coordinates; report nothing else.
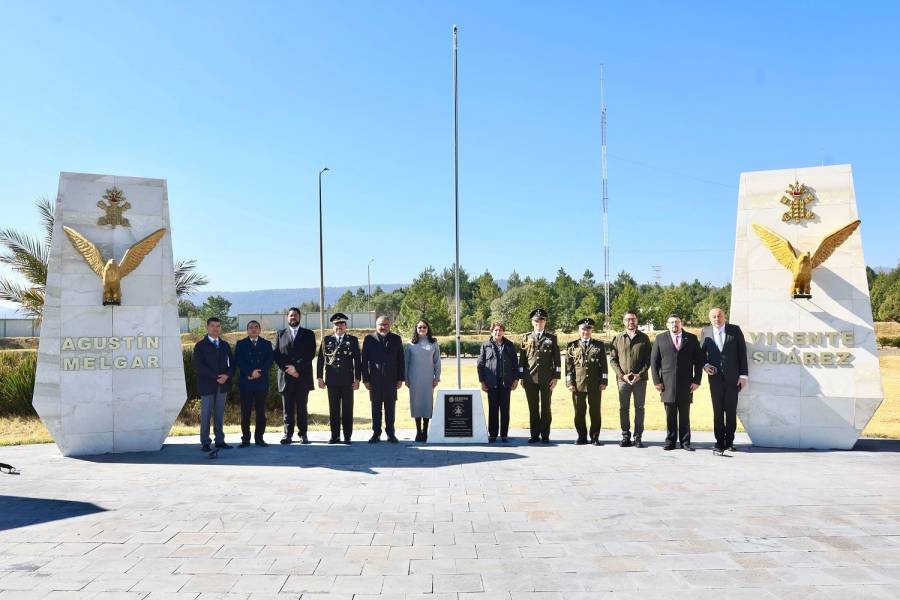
(586, 376)
(539, 369)
(629, 357)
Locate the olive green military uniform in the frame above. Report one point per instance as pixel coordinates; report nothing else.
(586, 371)
(539, 364)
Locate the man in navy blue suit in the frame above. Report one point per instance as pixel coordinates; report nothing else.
(725, 362)
(214, 366)
(254, 357)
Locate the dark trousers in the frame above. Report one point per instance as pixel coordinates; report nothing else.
(340, 410)
(294, 401)
(724, 403)
(498, 411)
(678, 422)
(538, 397)
(251, 401)
(584, 402)
(626, 391)
(388, 400)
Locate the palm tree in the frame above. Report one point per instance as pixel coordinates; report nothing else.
(28, 256)
(187, 280)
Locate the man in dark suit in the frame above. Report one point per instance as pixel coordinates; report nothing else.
(214, 366)
(725, 357)
(295, 348)
(253, 356)
(338, 368)
(676, 365)
(383, 368)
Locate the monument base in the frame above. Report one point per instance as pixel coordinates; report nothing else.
(458, 418)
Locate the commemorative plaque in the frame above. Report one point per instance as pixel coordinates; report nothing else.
(458, 418)
(458, 415)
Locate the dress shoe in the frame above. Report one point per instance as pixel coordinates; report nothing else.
(205, 448)
(581, 442)
(261, 443)
(597, 442)
(732, 448)
(419, 436)
(304, 439)
(504, 440)
(492, 440)
(687, 447)
(393, 439)
(669, 447)
(532, 440)
(244, 444)
(374, 439)
(718, 452)
(285, 440)
(626, 442)
(545, 440)
(334, 441)
(347, 442)
(637, 442)
(224, 446)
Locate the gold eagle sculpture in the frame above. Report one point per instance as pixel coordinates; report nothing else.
(801, 264)
(109, 270)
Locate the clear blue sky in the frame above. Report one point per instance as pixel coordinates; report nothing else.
(238, 104)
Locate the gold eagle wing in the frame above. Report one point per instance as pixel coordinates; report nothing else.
(92, 255)
(831, 243)
(135, 255)
(781, 249)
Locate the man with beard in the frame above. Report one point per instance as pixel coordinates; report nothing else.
(295, 348)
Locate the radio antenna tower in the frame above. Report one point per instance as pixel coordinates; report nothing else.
(606, 308)
(657, 273)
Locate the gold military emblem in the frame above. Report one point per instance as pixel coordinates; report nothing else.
(796, 197)
(109, 270)
(117, 204)
(801, 264)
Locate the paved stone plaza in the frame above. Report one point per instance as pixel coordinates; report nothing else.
(485, 522)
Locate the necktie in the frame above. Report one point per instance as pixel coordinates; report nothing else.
(677, 342)
(719, 342)
(254, 343)
(216, 342)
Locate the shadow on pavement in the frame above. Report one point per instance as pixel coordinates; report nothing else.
(19, 511)
(359, 457)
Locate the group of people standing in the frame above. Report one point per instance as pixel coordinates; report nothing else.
(675, 361)
(383, 364)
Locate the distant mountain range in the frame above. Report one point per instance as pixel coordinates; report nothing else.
(269, 301)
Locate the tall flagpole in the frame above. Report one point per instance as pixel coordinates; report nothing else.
(606, 307)
(456, 201)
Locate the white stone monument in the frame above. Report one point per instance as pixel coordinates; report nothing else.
(110, 376)
(458, 418)
(814, 375)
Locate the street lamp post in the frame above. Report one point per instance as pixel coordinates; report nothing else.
(321, 263)
(369, 277)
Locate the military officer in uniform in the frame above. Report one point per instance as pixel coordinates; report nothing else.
(586, 377)
(338, 367)
(539, 369)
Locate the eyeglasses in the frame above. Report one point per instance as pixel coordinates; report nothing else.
(421, 326)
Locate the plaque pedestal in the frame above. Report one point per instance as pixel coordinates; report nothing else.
(458, 418)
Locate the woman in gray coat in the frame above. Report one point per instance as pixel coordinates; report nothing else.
(423, 373)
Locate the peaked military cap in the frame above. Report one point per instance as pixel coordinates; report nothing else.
(338, 318)
(538, 313)
(586, 321)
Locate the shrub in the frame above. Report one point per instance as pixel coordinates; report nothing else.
(17, 371)
(886, 341)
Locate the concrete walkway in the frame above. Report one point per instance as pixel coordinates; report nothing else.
(490, 522)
